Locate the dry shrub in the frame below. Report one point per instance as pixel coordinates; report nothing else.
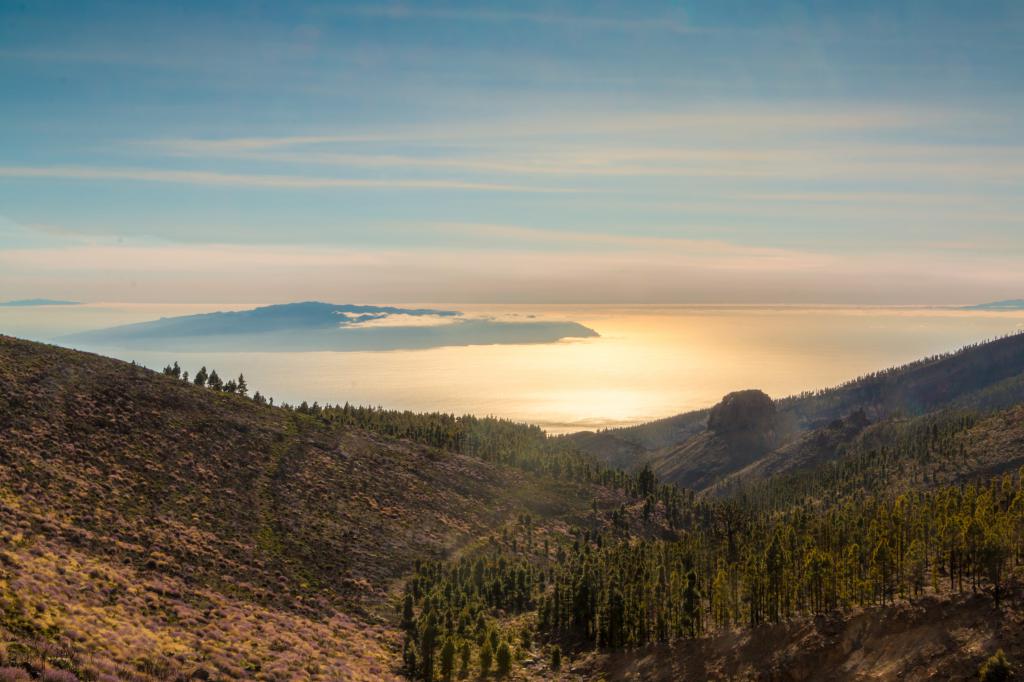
(14, 675)
(58, 675)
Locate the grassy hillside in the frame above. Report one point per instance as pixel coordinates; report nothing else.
(152, 528)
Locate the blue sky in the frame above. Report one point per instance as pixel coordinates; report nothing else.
(537, 152)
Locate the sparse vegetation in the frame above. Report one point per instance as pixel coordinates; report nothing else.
(153, 530)
(151, 527)
(996, 668)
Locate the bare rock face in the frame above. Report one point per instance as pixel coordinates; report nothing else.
(750, 412)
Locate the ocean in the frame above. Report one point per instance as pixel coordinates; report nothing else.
(649, 361)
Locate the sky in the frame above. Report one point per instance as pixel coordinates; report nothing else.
(584, 152)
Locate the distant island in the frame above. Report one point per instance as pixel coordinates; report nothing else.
(1010, 304)
(28, 302)
(317, 326)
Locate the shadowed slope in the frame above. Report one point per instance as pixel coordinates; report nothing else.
(681, 449)
(927, 639)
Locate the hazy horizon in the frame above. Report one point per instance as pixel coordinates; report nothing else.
(650, 361)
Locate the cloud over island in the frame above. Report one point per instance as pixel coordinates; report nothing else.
(316, 326)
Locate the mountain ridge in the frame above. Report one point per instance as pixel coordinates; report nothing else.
(1008, 304)
(988, 375)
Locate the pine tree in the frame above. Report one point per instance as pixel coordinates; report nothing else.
(409, 655)
(428, 641)
(992, 557)
(214, 381)
(464, 654)
(721, 598)
(243, 388)
(504, 658)
(486, 659)
(493, 639)
(408, 615)
(882, 568)
(201, 377)
(691, 604)
(917, 566)
(447, 659)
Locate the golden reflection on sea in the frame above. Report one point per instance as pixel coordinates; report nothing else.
(650, 361)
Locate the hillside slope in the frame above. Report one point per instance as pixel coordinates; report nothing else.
(682, 449)
(927, 639)
(152, 528)
(940, 448)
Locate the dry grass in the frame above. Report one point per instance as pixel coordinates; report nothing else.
(150, 529)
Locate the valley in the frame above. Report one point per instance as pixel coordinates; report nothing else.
(157, 529)
(534, 341)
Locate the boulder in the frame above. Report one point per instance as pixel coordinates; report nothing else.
(743, 412)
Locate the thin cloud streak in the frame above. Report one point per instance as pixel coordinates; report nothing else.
(646, 244)
(722, 274)
(802, 160)
(261, 181)
(795, 119)
(635, 250)
(403, 11)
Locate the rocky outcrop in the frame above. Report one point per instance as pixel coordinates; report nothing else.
(744, 414)
(740, 429)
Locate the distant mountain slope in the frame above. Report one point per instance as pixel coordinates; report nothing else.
(850, 457)
(631, 446)
(1010, 304)
(961, 377)
(28, 302)
(987, 376)
(740, 429)
(155, 528)
(313, 326)
(310, 315)
(806, 451)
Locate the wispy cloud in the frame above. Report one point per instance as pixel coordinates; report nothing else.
(720, 273)
(194, 177)
(842, 162)
(404, 320)
(773, 145)
(725, 253)
(407, 11)
(798, 119)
